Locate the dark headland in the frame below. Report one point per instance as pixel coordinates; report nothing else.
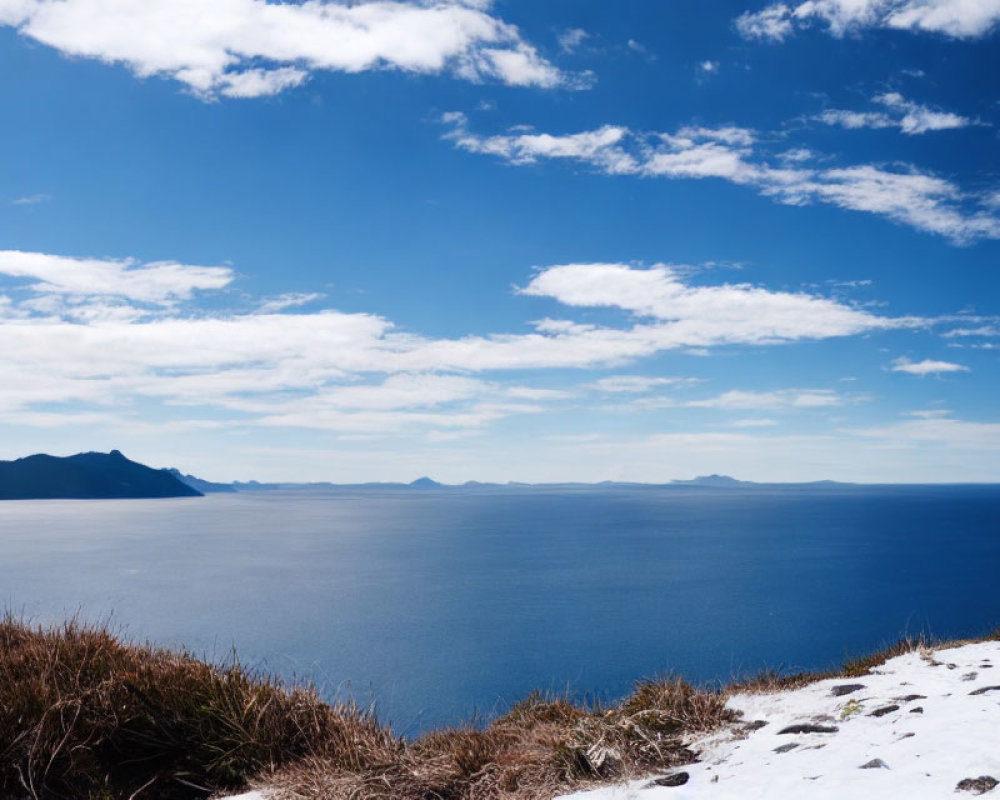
(87, 476)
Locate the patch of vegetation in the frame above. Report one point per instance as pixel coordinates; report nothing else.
(540, 748)
(850, 707)
(84, 714)
(862, 665)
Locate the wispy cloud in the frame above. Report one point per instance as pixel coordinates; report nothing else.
(571, 39)
(71, 335)
(701, 316)
(253, 48)
(159, 282)
(288, 300)
(31, 200)
(984, 331)
(754, 422)
(957, 18)
(785, 398)
(637, 384)
(903, 194)
(739, 400)
(941, 430)
(926, 367)
(911, 118)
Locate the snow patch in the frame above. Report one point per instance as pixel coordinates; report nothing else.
(916, 727)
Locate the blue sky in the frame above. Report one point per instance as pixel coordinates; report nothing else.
(513, 240)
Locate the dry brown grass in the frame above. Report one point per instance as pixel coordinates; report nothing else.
(862, 665)
(85, 715)
(771, 680)
(540, 748)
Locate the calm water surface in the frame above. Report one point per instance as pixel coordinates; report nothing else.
(445, 604)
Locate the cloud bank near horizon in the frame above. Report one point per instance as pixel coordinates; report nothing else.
(88, 337)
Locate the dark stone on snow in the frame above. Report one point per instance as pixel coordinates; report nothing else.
(875, 763)
(980, 785)
(846, 688)
(985, 689)
(910, 698)
(881, 712)
(807, 728)
(677, 779)
(917, 710)
(756, 725)
(786, 747)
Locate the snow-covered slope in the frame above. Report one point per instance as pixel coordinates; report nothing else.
(924, 725)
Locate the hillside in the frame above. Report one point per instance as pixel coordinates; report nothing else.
(86, 476)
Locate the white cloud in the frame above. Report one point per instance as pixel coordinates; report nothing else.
(30, 200)
(745, 400)
(398, 402)
(252, 48)
(288, 300)
(934, 413)
(357, 372)
(911, 118)
(701, 316)
(738, 400)
(754, 422)
(939, 430)
(904, 195)
(157, 282)
(913, 198)
(636, 384)
(919, 118)
(571, 39)
(926, 367)
(982, 330)
(773, 23)
(600, 147)
(708, 66)
(957, 18)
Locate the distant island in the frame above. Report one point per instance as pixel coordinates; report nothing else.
(87, 476)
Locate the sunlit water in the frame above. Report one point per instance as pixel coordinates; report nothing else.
(443, 604)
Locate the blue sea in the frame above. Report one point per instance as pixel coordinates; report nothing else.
(444, 606)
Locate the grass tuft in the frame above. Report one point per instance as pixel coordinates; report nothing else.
(862, 665)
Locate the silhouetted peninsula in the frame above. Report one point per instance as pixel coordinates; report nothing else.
(203, 486)
(86, 476)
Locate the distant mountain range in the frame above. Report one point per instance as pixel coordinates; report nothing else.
(87, 476)
(112, 475)
(704, 481)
